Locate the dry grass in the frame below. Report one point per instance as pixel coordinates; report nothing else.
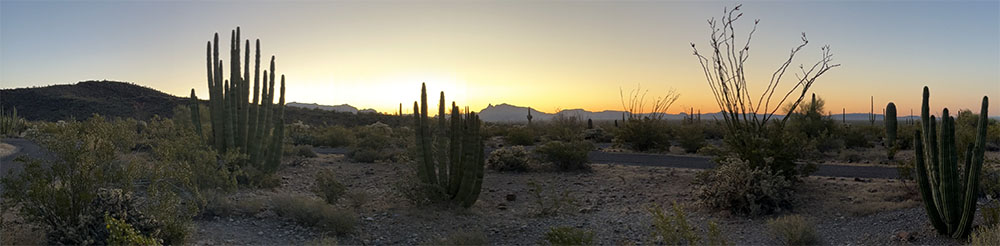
(857, 197)
(793, 230)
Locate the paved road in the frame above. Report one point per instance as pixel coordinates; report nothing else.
(24, 147)
(697, 162)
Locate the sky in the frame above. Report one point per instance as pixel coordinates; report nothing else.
(549, 55)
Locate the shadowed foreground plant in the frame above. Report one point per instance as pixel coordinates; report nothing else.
(793, 230)
(450, 158)
(565, 235)
(949, 195)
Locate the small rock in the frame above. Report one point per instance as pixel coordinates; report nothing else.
(511, 197)
(260, 233)
(369, 219)
(502, 206)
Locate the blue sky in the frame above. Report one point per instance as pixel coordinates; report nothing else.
(548, 55)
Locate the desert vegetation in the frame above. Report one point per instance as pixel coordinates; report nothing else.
(242, 167)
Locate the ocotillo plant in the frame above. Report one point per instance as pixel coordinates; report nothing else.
(950, 200)
(890, 129)
(450, 158)
(236, 124)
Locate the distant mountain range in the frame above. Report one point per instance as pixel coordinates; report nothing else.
(336, 108)
(124, 99)
(515, 114)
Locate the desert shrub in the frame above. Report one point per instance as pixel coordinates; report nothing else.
(462, 238)
(309, 212)
(566, 156)
(566, 235)
(735, 186)
(417, 193)
(715, 236)
(597, 135)
(862, 135)
(691, 136)
(985, 235)
(793, 230)
(60, 193)
(90, 226)
(300, 151)
(549, 203)
(561, 128)
(217, 204)
(121, 233)
(328, 187)
(376, 142)
(673, 228)
(644, 134)
(357, 199)
(711, 150)
(334, 136)
(508, 159)
(991, 213)
(521, 135)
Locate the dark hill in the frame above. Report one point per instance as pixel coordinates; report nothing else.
(83, 99)
(127, 100)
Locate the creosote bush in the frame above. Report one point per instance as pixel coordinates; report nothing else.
(793, 230)
(508, 159)
(567, 235)
(567, 156)
(377, 142)
(328, 187)
(521, 135)
(644, 134)
(735, 186)
(691, 136)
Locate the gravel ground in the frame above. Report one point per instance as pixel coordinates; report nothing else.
(611, 201)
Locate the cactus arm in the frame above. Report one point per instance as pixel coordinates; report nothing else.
(441, 144)
(972, 181)
(195, 114)
(923, 179)
(455, 150)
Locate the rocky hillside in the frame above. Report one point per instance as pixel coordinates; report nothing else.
(83, 99)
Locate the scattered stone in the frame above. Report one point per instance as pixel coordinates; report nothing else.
(511, 197)
(502, 206)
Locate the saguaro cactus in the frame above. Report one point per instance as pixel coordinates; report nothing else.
(950, 200)
(890, 129)
(236, 124)
(450, 158)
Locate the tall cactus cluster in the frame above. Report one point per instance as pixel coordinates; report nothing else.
(890, 129)
(237, 122)
(450, 154)
(949, 196)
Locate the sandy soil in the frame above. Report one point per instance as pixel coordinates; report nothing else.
(612, 201)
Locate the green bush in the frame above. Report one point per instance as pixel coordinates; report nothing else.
(11, 125)
(566, 155)
(673, 229)
(121, 233)
(520, 135)
(508, 159)
(985, 236)
(565, 235)
(735, 186)
(334, 136)
(597, 135)
(328, 188)
(793, 230)
(561, 128)
(300, 151)
(376, 142)
(644, 134)
(862, 135)
(313, 213)
(691, 136)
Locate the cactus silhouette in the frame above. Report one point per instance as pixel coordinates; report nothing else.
(253, 128)
(950, 200)
(890, 129)
(450, 158)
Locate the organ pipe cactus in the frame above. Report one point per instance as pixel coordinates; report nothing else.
(195, 114)
(890, 129)
(949, 196)
(450, 154)
(238, 124)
